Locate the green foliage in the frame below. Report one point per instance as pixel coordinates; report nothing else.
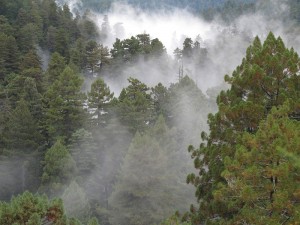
(82, 148)
(247, 170)
(75, 201)
(31, 67)
(23, 208)
(6, 28)
(58, 168)
(112, 142)
(192, 54)
(32, 209)
(88, 28)
(187, 107)
(98, 100)
(93, 221)
(259, 178)
(64, 105)
(9, 55)
(129, 50)
(62, 42)
(266, 78)
(157, 48)
(55, 67)
(174, 220)
(136, 106)
(149, 181)
(187, 48)
(33, 98)
(23, 134)
(29, 36)
(96, 57)
(161, 97)
(37, 107)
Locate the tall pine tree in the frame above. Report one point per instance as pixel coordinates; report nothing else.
(64, 105)
(267, 77)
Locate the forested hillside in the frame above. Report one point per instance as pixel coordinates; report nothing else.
(197, 5)
(207, 8)
(131, 134)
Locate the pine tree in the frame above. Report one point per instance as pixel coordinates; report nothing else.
(267, 76)
(150, 178)
(23, 134)
(96, 57)
(12, 59)
(29, 36)
(145, 43)
(32, 97)
(5, 27)
(117, 51)
(61, 44)
(161, 98)
(55, 67)
(187, 107)
(136, 106)
(64, 105)
(31, 67)
(157, 48)
(98, 99)
(261, 182)
(32, 209)
(9, 55)
(75, 201)
(5, 111)
(77, 55)
(13, 89)
(187, 48)
(58, 169)
(83, 149)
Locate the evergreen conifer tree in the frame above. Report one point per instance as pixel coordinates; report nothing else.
(64, 105)
(23, 134)
(267, 77)
(58, 169)
(98, 99)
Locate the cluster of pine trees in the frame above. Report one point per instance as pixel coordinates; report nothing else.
(82, 146)
(106, 159)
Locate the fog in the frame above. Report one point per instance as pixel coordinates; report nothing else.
(225, 43)
(222, 48)
(171, 27)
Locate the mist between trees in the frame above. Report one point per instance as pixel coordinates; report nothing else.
(107, 115)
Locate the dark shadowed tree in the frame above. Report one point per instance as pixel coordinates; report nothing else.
(23, 134)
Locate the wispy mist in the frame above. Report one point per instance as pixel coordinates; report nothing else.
(226, 44)
(171, 27)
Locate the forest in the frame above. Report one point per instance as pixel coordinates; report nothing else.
(105, 124)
